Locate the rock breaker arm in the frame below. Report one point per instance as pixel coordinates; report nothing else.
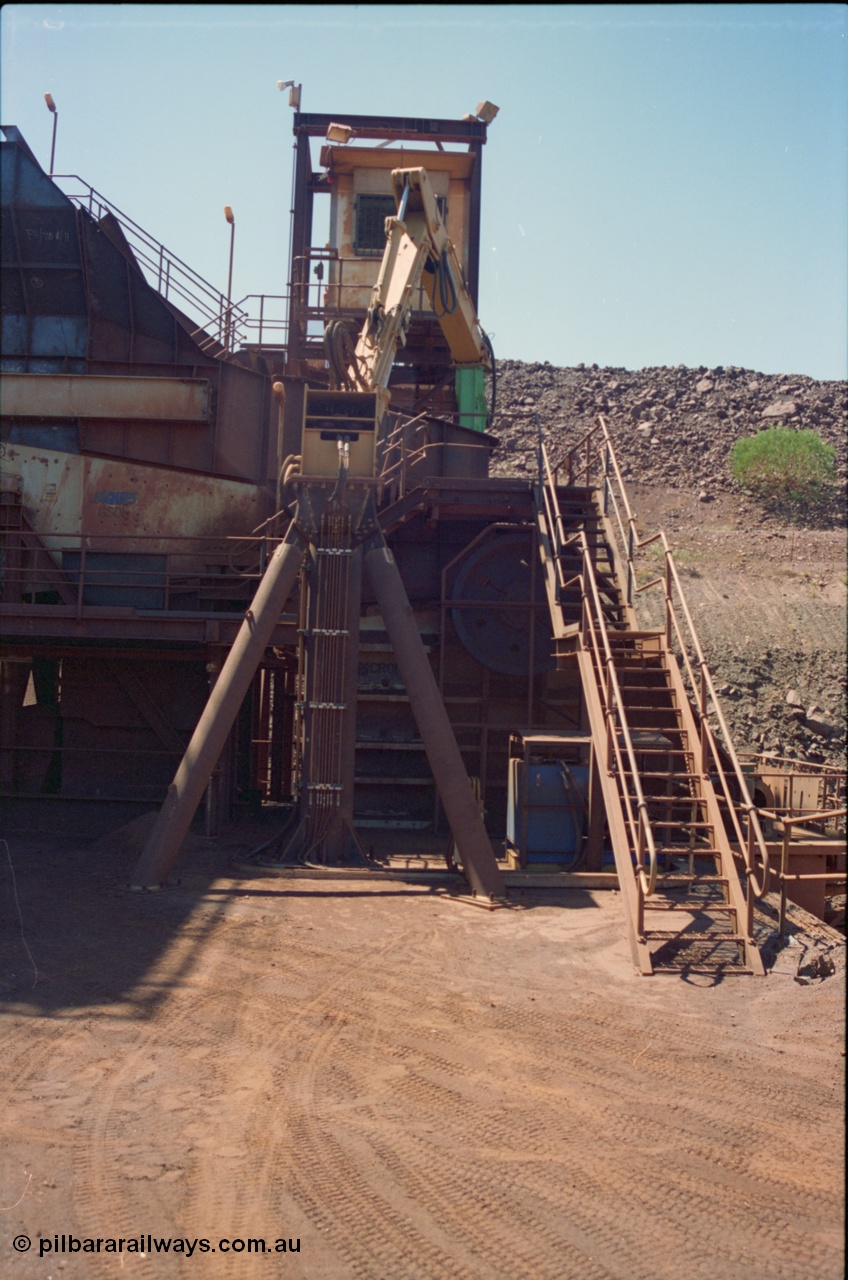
(417, 250)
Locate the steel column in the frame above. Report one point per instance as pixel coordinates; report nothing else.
(301, 235)
(186, 791)
(443, 754)
(473, 273)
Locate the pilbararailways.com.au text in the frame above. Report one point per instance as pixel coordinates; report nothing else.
(145, 1245)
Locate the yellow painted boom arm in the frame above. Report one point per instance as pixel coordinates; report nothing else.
(418, 249)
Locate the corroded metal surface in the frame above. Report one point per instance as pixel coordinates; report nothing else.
(68, 495)
(53, 395)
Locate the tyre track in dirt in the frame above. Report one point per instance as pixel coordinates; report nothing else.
(618, 1241)
(575, 1043)
(703, 1107)
(378, 1077)
(504, 1242)
(134, 1128)
(649, 1198)
(676, 1203)
(344, 1201)
(713, 1096)
(503, 1192)
(111, 1156)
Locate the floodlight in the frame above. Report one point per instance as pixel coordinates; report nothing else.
(486, 111)
(339, 133)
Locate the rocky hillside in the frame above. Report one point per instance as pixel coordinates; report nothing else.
(768, 596)
(671, 426)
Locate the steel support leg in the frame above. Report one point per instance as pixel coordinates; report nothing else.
(186, 791)
(443, 754)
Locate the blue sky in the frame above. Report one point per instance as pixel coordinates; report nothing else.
(663, 185)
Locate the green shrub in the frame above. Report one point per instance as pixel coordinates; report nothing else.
(784, 466)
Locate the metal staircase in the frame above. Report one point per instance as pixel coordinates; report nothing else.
(681, 822)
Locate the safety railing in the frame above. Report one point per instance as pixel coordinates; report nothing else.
(594, 632)
(593, 459)
(346, 289)
(174, 279)
(135, 572)
(326, 286)
(263, 320)
(806, 824)
(256, 320)
(794, 788)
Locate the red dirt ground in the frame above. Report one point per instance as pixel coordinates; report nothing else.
(408, 1085)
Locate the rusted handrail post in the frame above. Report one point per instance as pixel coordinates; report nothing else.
(788, 825)
(749, 884)
(668, 599)
(784, 866)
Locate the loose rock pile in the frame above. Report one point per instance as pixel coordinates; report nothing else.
(780, 703)
(671, 426)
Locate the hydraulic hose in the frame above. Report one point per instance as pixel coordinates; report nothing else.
(444, 287)
(340, 351)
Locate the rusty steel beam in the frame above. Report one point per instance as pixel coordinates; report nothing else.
(445, 759)
(208, 739)
(43, 623)
(68, 395)
(408, 128)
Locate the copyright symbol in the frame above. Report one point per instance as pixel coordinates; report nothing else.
(21, 1243)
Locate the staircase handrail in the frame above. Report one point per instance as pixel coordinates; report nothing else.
(752, 845)
(595, 633)
(170, 273)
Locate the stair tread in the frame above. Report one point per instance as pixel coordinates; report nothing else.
(686, 882)
(679, 822)
(645, 688)
(646, 749)
(643, 773)
(740, 969)
(655, 710)
(687, 801)
(671, 935)
(693, 906)
(683, 851)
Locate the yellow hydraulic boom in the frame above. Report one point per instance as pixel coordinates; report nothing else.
(417, 248)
